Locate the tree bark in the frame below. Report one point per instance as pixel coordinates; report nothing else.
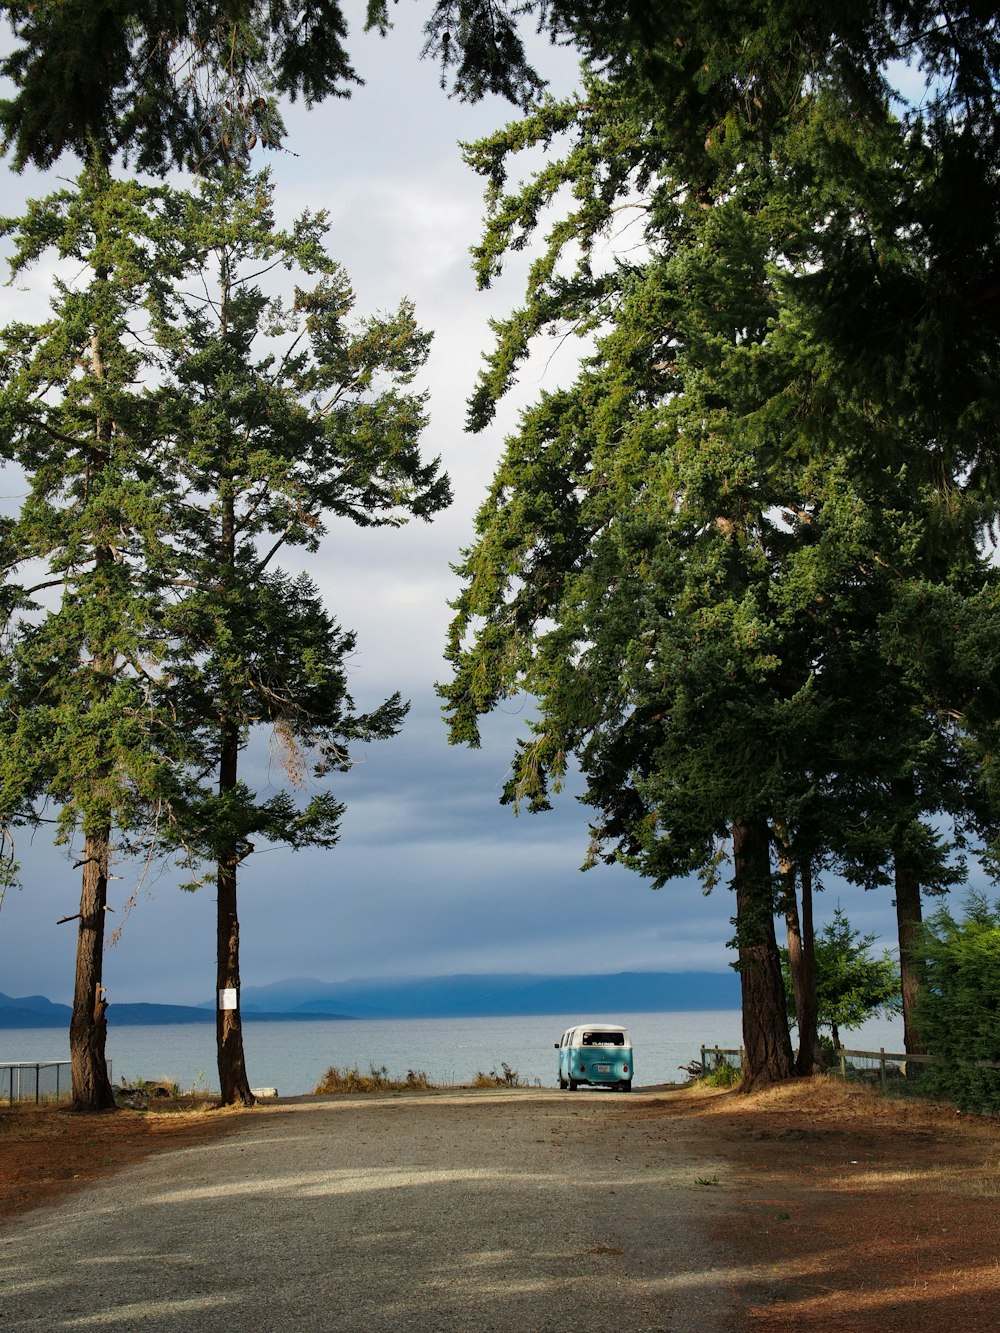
(908, 919)
(908, 914)
(233, 1083)
(801, 961)
(767, 1045)
(88, 1026)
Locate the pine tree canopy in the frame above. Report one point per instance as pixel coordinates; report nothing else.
(852, 986)
(176, 82)
(179, 428)
(711, 558)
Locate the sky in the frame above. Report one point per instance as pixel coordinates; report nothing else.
(431, 876)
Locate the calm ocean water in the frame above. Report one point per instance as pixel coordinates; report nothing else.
(293, 1056)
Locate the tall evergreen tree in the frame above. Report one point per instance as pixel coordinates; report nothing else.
(852, 986)
(176, 436)
(690, 557)
(83, 729)
(279, 415)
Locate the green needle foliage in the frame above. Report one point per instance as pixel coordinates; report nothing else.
(86, 733)
(851, 985)
(704, 558)
(187, 84)
(278, 415)
(959, 1009)
(167, 83)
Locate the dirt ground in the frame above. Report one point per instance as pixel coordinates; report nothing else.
(854, 1211)
(842, 1210)
(46, 1151)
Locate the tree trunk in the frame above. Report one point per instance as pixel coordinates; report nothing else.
(88, 1026)
(908, 918)
(908, 912)
(233, 1083)
(802, 965)
(767, 1044)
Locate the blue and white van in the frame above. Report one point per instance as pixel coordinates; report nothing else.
(596, 1053)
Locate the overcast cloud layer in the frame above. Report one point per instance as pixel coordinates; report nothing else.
(431, 876)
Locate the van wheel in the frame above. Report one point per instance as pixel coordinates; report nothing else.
(562, 1083)
(573, 1085)
(626, 1085)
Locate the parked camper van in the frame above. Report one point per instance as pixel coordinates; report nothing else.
(596, 1053)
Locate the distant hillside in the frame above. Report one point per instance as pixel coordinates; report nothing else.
(500, 995)
(32, 1011)
(35, 1011)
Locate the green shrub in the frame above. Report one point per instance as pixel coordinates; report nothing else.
(722, 1074)
(958, 1014)
(139, 1094)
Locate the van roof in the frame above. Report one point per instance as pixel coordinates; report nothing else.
(597, 1024)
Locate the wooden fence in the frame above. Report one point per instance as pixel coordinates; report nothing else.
(881, 1066)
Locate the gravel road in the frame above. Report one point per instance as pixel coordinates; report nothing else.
(521, 1210)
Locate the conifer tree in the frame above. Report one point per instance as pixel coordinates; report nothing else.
(694, 557)
(281, 414)
(852, 986)
(179, 427)
(84, 730)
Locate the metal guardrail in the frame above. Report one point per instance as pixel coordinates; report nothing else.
(36, 1080)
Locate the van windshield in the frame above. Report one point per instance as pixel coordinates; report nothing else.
(603, 1038)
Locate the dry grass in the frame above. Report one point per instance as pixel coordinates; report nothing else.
(351, 1079)
(510, 1078)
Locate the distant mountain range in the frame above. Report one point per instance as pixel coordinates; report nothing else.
(35, 1011)
(471, 996)
(499, 994)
